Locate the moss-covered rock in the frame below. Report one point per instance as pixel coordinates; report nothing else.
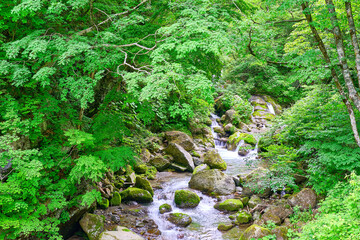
(195, 154)
(140, 168)
(164, 208)
(281, 211)
(180, 138)
(159, 162)
(235, 139)
(213, 159)
(201, 167)
(245, 201)
(143, 183)
(229, 205)
(136, 194)
(254, 200)
(186, 199)
(255, 232)
(116, 199)
(93, 225)
(179, 219)
(219, 130)
(151, 173)
(270, 217)
(280, 233)
(103, 203)
(225, 226)
(243, 217)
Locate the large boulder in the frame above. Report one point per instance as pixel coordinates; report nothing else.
(160, 162)
(229, 205)
(179, 219)
(143, 183)
(181, 156)
(136, 194)
(180, 138)
(213, 159)
(269, 217)
(280, 211)
(255, 232)
(186, 199)
(305, 199)
(235, 139)
(121, 233)
(212, 181)
(92, 225)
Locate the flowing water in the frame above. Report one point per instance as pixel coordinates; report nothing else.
(205, 217)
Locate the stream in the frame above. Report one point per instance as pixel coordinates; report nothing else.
(205, 218)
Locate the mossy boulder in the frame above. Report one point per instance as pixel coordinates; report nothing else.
(103, 203)
(136, 194)
(219, 130)
(201, 167)
(280, 233)
(179, 219)
(116, 199)
(235, 139)
(225, 226)
(164, 208)
(140, 168)
(229, 205)
(243, 217)
(254, 201)
(305, 199)
(186, 199)
(212, 181)
(180, 138)
(213, 159)
(160, 162)
(255, 232)
(143, 183)
(281, 211)
(270, 217)
(92, 225)
(245, 201)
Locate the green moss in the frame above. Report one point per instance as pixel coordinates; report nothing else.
(237, 137)
(186, 199)
(179, 219)
(229, 205)
(243, 217)
(140, 168)
(201, 168)
(165, 208)
(116, 199)
(126, 230)
(225, 227)
(136, 194)
(195, 154)
(151, 172)
(144, 184)
(255, 104)
(103, 203)
(269, 116)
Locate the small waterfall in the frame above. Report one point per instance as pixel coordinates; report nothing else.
(241, 143)
(271, 108)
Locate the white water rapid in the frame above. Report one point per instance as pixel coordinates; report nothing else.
(205, 218)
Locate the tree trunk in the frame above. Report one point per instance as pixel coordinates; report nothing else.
(322, 48)
(354, 39)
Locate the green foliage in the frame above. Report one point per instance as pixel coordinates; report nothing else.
(339, 213)
(299, 216)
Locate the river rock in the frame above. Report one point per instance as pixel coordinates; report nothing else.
(255, 232)
(180, 138)
(213, 159)
(201, 167)
(280, 211)
(178, 167)
(243, 217)
(269, 217)
(235, 139)
(219, 130)
(103, 203)
(280, 233)
(121, 233)
(229, 128)
(116, 199)
(160, 162)
(186, 199)
(245, 149)
(140, 168)
(181, 156)
(304, 199)
(145, 155)
(229, 205)
(212, 181)
(254, 201)
(92, 225)
(136, 194)
(179, 219)
(229, 115)
(143, 183)
(164, 208)
(225, 226)
(255, 180)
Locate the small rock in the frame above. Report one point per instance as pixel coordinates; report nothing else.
(164, 208)
(143, 183)
(271, 217)
(131, 178)
(243, 217)
(116, 199)
(159, 162)
(179, 219)
(213, 159)
(186, 199)
(254, 201)
(229, 205)
(280, 232)
(255, 232)
(136, 194)
(201, 168)
(304, 199)
(103, 203)
(140, 168)
(225, 227)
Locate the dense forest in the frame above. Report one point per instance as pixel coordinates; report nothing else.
(98, 98)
